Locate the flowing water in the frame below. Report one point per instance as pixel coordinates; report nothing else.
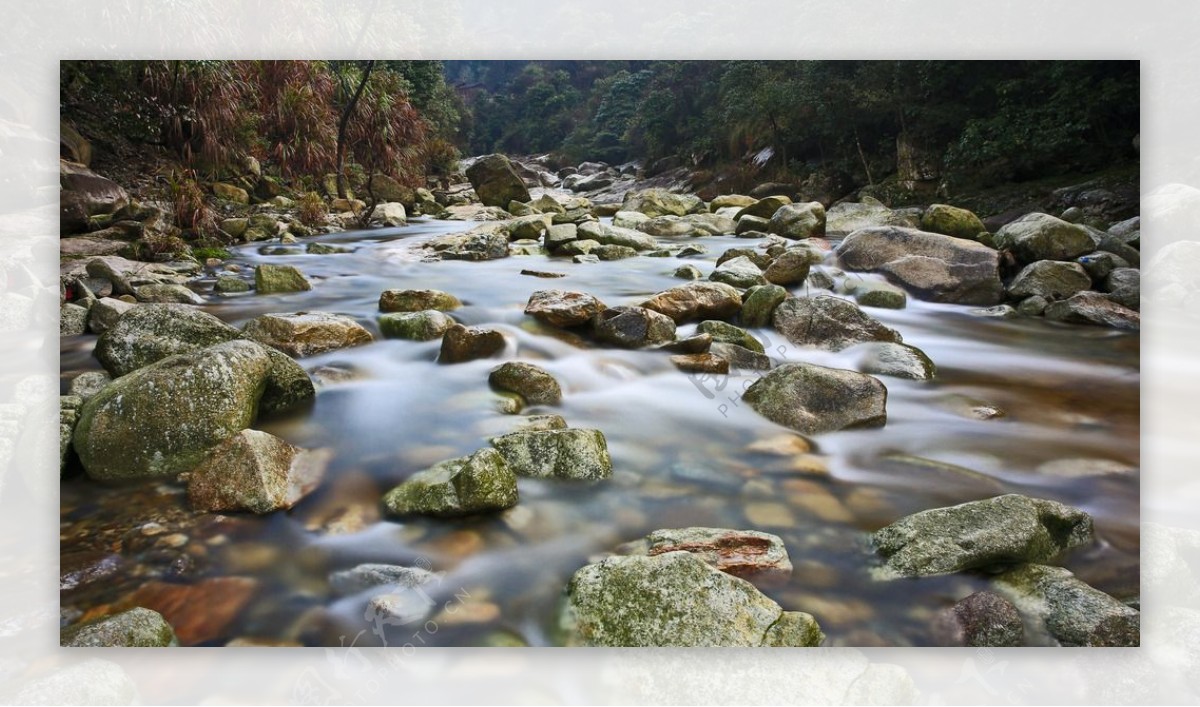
(686, 452)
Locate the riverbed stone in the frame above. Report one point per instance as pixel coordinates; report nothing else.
(230, 284)
(697, 300)
(952, 221)
(633, 327)
(166, 293)
(532, 227)
(563, 309)
(613, 252)
(72, 319)
(798, 221)
(1052, 279)
(614, 235)
(759, 304)
(1099, 264)
(306, 333)
(885, 358)
(724, 201)
(982, 620)
(660, 202)
(790, 268)
(460, 344)
(814, 399)
(88, 383)
(739, 272)
(361, 578)
(272, 279)
(417, 301)
(1039, 236)
(1073, 612)
(479, 483)
(725, 332)
(629, 219)
(764, 208)
(496, 181)
(1093, 308)
(532, 383)
(760, 558)
(425, 325)
(701, 363)
(751, 227)
(829, 323)
(694, 344)
(559, 235)
(674, 599)
(1002, 530)
(486, 242)
(148, 332)
(255, 471)
(578, 454)
(847, 217)
(932, 266)
(741, 357)
(688, 272)
(133, 628)
(872, 293)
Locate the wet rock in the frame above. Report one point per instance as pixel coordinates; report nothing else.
(535, 423)
(418, 326)
(756, 257)
(711, 224)
(149, 332)
(982, 620)
(417, 301)
(701, 363)
(230, 284)
(1051, 279)
(613, 235)
(697, 343)
(496, 181)
(533, 384)
(797, 221)
(547, 204)
(690, 250)
(688, 272)
(1000, 311)
(871, 293)
(759, 304)
(579, 454)
(749, 554)
(479, 483)
(1099, 264)
(667, 226)
(738, 272)
(821, 280)
(560, 235)
(741, 201)
(87, 384)
(1074, 613)
(751, 227)
(390, 213)
(660, 202)
(72, 320)
(68, 417)
(583, 247)
(814, 399)
(741, 357)
(460, 344)
(563, 309)
(256, 472)
(629, 219)
(897, 360)
(532, 227)
(1093, 308)
(133, 628)
(613, 252)
(487, 242)
(1083, 466)
(306, 333)
(674, 599)
(952, 221)
(829, 323)
(934, 267)
(379, 576)
(222, 599)
(764, 208)
(585, 259)
(162, 418)
(270, 279)
(633, 327)
(325, 249)
(166, 293)
(1032, 306)
(1124, 286)
(847, 217)
(728, 333)
(1002, 530)
(1038, 236)
(696, 300)
(790, 268)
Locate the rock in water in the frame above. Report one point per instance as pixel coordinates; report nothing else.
(749, 554)
(134, 628)
(790, 268)
(1036, 236)
(885, 358)
(738, 272)
(563, 309)
(1074, 613)
(981, 620)
(418, 326)
(829, 323)
(163, 418)
(1093, 308)
(378, 576)
(847, 217)
(633, 327)
(460, 344)
(797, 221)
(727, 333)
(952, 221)
(660, 202)
(533, 384)
(935, 267)
(578, 454)
(270, 279)
(758, 306)
(478, 483)
(417, 301)
(814, 399)
(306, 333)
(257, 472)
(696, 300)
(150, 332)
(1050, 279)
(675, 599)
(487, 242)
(1002, 530)
(496, 181)
(764, 208)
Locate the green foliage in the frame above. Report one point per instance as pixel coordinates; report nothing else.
(205, 252)
(190, 208)
(312, 211)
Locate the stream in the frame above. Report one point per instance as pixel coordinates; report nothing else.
(686, 452)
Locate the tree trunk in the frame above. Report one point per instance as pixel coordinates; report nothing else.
(862, 156)
(341, 137)
(364, 219)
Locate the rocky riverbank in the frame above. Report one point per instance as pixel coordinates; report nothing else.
(793, 308)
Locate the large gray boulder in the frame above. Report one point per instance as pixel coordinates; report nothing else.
(828, 322)
(578, 454)
(1050, 279)
(254, 471)
(478, 483)
(496, 181)
(1071, 611)
(1093, 308)
(486, 242)
(675, 599)
(934, 267)
(697, 300)
(306, 333)
(797, 221)
(84, 196)
(660, 202)
(149, 332)
(814, 399)
(847, 217)
(1002, 530)
(1037, 236)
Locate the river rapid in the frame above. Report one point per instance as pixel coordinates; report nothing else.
(686, 452)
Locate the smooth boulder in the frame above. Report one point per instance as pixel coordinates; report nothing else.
(479, 483)
(272, 279)
(578, 454)
(460, 344)
(532, 383)
(660, 202)
(1038, 236)
(633, 327)
(255, 471)
(696, 300)
(418, 326)
(798, 221)
(147, 333)
(829, 323)
(306, 333)
(1071, 611)
(417, 301)
(952, 221)
(1093, 308)
(496, 182)
(814, 399)
(1050, 279)
(563, 309)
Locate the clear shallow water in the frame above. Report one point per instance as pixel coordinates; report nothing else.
(683, 446)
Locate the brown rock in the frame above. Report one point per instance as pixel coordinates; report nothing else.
(563, 309)
(461, 343)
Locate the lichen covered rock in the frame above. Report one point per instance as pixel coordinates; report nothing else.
(578, 454)
(306, 333)
(813, 399)
(478, 483)
(256, 472)
(133, 628)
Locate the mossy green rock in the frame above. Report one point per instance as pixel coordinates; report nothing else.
(660, 202)
(829, 323)
(533, 384)
(813, 399)
(871, 293)
(530, 226)
(674, 599)
(418, 326)
(730, 334)
(149, 332)
(952, 221)
(271, 279)
(230, 284)
(760, 303)
(496, 181)
(790, 268)
(797, 221)
(135, 628)
(1072, 612)
(161, 419)
(478, 483)
(579, 454)
(1002, 530)
(1051, 279)
(764, 208)
(417, 301)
